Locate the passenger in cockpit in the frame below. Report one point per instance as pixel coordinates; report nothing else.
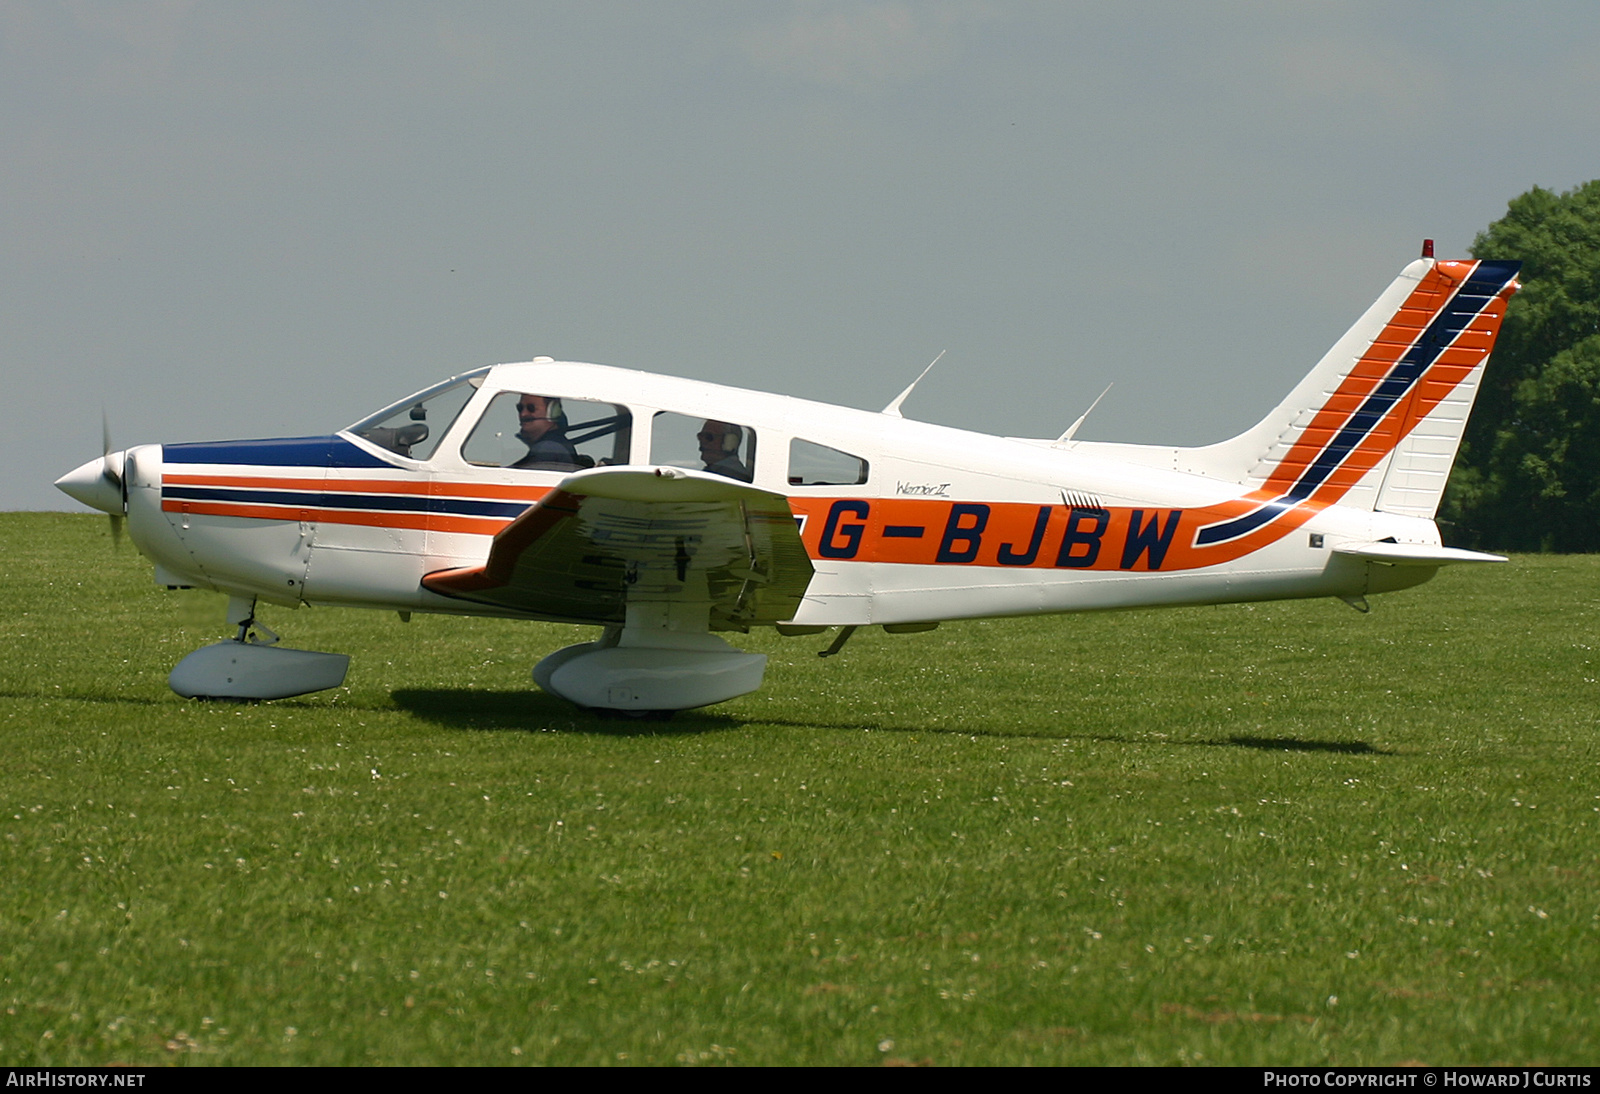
(544, 431)
(719, 448)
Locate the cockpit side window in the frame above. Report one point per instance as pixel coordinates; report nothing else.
(544, 432)
(415, 427)
(812, 464)
(705, 444)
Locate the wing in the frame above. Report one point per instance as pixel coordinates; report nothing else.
(611, 535)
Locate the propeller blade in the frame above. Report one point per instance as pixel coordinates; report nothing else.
(112, 472)
(115, 475)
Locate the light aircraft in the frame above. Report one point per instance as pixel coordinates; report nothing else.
(669, 512)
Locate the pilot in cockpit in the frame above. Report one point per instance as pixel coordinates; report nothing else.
(544, 431)
(719, 448)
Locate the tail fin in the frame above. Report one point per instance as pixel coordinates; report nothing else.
(1377, 423)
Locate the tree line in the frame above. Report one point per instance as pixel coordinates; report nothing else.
(1528, 476)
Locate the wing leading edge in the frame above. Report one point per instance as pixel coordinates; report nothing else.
(612, 536)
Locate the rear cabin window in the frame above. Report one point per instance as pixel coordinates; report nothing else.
(705, 444)
(812, 464)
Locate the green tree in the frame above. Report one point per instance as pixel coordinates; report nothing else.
(1528, 477)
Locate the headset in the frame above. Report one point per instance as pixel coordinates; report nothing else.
(732, 437)
(552, 408)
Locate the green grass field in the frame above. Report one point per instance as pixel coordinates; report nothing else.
(1281, 833)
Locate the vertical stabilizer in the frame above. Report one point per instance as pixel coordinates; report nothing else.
(1377, 423)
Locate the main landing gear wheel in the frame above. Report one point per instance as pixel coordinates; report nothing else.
(644, 671)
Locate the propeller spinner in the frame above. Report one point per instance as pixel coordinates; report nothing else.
(101, 483)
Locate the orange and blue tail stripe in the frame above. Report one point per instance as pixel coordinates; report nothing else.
(1444, 329)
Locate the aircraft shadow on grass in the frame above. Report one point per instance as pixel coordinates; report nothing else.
(530, 711)
(1295, 744)
(1263, 744)
(29, 696)
(535, 711)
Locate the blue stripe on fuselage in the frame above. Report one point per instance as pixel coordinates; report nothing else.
(322, 499)
(332, 451)
(1252, 520)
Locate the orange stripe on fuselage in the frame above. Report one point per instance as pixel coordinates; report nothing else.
(430, 522)
(433, 522)
(997, 534)
(1009, 534)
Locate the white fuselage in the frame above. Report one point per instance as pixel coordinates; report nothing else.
(949, 524)
(665, 509)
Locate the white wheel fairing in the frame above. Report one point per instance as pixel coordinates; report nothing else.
(245, 670)
(642, 678)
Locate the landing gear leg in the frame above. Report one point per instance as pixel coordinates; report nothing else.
(242, 611)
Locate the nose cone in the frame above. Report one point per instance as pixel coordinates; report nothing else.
(97, 483)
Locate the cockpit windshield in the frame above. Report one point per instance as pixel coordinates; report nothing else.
(414, 427)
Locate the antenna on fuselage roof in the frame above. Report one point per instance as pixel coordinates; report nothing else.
(893, 409)
(1073, 428)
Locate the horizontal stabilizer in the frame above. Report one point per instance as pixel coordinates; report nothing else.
(1413, 554)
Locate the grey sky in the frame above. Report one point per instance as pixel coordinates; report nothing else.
(249, 220)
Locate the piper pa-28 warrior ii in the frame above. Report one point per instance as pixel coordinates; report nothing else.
(669, 512)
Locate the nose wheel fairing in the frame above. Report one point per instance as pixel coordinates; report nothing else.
(253, 666)
(250, 670)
